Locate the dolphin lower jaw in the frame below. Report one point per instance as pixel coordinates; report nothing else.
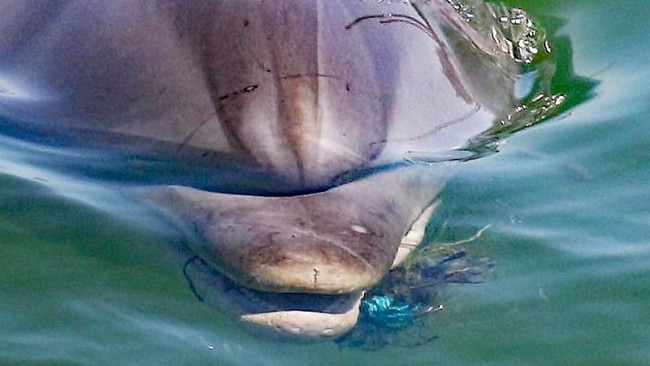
(309, 324)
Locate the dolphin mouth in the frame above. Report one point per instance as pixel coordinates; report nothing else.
(275, 315)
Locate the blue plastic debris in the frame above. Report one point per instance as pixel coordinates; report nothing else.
(386, 312)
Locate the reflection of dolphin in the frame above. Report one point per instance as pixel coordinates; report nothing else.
(312, 104)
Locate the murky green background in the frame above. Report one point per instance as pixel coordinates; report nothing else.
(568, 204)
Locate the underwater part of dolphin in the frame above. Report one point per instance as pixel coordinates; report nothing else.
(290, 121)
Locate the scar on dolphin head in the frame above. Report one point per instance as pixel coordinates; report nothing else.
(248, 89)
(401, 18)
(220, 101)
(390, 18)
(446, 64)
(443, 52)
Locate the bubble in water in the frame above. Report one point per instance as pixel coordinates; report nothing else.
(511, 29)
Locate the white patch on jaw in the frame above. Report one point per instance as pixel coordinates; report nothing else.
(359, 229)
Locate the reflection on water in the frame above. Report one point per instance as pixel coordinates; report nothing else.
(568, 209)
(12, 90)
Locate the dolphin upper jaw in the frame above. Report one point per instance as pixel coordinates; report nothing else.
(288, 262)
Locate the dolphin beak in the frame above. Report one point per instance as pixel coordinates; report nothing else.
(275, 315)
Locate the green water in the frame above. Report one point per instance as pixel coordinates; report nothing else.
(567, 202)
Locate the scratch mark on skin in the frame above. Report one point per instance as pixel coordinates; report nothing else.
(389, 18)
(298, 75)
(245, 90)
(236, 93)
(295, 76)
(315, 276)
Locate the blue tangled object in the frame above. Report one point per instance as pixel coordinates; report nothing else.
(395, 311)
(386, 312)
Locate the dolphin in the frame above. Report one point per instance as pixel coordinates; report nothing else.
(285, 128)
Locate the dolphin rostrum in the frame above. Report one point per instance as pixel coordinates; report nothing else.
(286, 125)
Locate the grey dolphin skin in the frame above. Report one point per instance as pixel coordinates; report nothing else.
(299, 116)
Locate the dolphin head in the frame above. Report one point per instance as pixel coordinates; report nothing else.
(327, 97)
(313, 105)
